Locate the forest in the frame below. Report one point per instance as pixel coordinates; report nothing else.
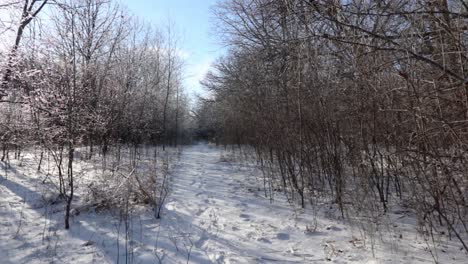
(364, 103)
(338, 113)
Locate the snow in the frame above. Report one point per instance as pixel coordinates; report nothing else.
(216, 213)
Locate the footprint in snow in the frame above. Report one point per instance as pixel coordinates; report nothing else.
(264, 240)
(200, 212)
(333, 228)
(246, 217)
(282, 236)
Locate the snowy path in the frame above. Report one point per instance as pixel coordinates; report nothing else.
(215, 209)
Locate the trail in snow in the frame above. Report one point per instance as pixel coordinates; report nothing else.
(217, 209)
(215, 206)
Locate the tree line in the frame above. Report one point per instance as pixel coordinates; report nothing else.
(87, 73)
(364, 103)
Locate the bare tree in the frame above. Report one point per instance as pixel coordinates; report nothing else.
(30, 11)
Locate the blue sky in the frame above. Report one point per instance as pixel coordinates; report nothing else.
(192, 19)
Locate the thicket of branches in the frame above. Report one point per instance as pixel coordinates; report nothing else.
(86, 73)
(364, 102)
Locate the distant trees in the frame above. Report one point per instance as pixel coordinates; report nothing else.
(92, 76)
(364, 102)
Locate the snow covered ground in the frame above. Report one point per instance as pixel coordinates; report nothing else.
(216, 213)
